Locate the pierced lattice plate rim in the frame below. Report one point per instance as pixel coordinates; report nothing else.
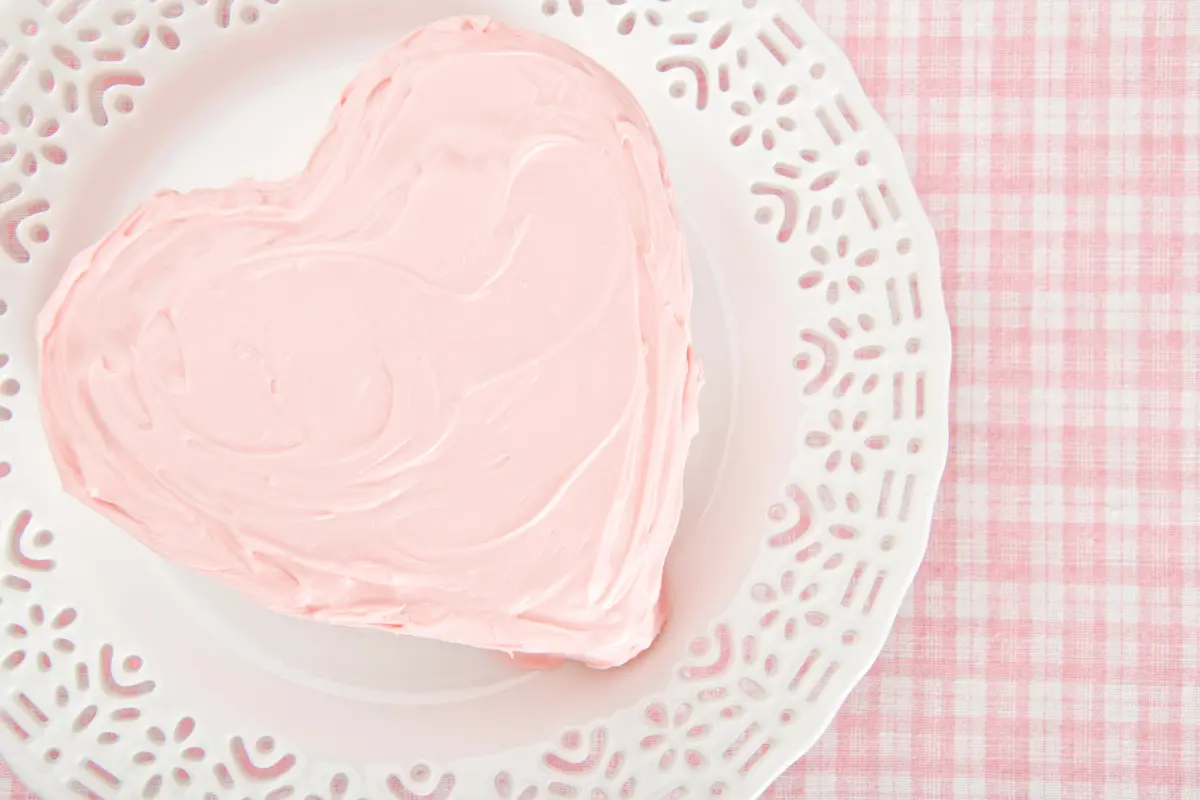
(820, 183)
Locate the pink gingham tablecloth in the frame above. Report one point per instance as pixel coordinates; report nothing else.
(1051, 645)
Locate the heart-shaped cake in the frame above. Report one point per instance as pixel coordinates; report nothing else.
(440, 382)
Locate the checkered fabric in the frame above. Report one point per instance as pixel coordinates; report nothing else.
(1051, 645)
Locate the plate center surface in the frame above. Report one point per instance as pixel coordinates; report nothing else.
(254, 106)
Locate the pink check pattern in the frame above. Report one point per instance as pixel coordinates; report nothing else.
(1050, 648)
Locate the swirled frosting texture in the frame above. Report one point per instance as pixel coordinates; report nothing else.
(441, 381)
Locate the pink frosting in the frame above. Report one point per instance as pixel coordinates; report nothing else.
(442, 381)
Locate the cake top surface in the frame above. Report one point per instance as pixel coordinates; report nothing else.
(440, 380)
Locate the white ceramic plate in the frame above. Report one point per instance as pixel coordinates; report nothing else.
(819, 317)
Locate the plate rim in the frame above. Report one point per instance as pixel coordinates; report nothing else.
(888, 150)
